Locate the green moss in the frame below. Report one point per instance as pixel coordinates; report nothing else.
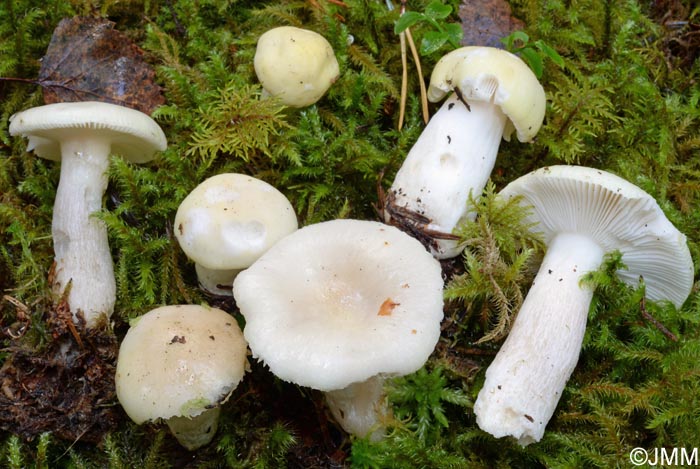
(626, 100)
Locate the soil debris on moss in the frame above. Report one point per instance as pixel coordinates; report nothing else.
(65, 386)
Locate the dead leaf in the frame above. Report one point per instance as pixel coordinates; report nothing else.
(485, 22)
(88, 60)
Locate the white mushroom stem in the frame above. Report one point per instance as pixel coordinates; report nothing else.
(361, 408)
(195, 432)
(453, 156)
(81, 248)
(218, 282)
(526, 379)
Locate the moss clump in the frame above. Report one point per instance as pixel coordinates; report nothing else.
(626, 100)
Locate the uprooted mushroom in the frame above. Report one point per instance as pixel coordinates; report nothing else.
(582, 213)
(83, 135)
(494, 93)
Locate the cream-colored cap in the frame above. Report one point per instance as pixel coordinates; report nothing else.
(131, 133)
(295, 65)
(179, 361)
(231, 219)
(493, 75)
(338, 302)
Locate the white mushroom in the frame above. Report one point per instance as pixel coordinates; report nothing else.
(82, 136)
(179, 364)
(340, 306)
(227, 222)
(295, 65)
(583, 213)
(495, 93)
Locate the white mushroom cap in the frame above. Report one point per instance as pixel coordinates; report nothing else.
(132, 134)
(338, 302)
(179, 361)
(229, 220)
(617, 215)
(493, 75)
(295, 65)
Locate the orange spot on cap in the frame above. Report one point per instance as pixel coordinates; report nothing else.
(387, 307)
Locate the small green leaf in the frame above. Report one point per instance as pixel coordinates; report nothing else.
(533, 59)
(432, 41)
(437, 11)
(454, 33)
(515, 40)
(407, 20)
(550, 52)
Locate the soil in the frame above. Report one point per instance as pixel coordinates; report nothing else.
(65, 386)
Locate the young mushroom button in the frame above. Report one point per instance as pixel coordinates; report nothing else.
(227, 222)
(340, 306)
(179, 364)
(493, 94)
(82, 136)
(582, 213)
(295, 65)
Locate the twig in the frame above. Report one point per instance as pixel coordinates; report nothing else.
(646, 315)
(406, 36)
(404, 78)
(421, 82)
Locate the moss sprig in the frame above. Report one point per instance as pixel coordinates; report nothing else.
(498, 247)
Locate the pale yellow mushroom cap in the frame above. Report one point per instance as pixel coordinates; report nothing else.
(231, 219)
(179, 361)
(295, 65)
(493, 75)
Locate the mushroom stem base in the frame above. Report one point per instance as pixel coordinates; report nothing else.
(526, 378)
(218, 282)
(361, 408)
(195, 432)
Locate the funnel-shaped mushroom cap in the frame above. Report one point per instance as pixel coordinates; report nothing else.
(230, 219)
(338, 302)
(295, 65)
(131, 133)
(493, 75)
(617, 215)
(178, 361)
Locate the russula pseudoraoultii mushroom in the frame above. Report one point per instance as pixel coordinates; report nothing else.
(295, 65)
(227, 222)
(83, 135)
(582, 213)
(494, 93)
(178, 364)
(340, 306)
